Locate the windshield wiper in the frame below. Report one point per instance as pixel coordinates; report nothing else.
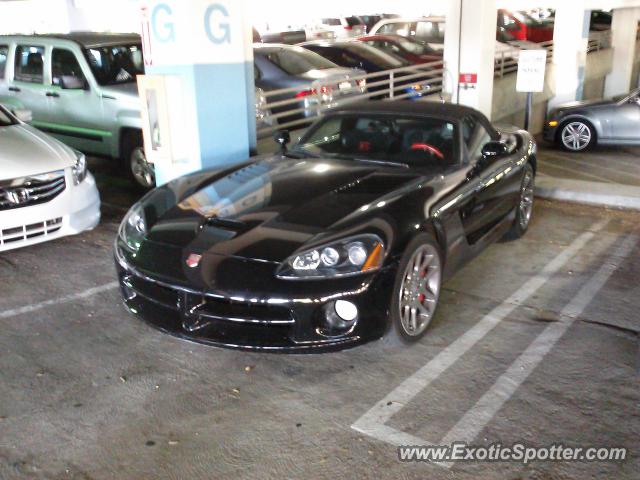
(372, 160)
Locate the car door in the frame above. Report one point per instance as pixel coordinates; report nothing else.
(75, 111)
(497, 178)
(625, 121)
(26, 88)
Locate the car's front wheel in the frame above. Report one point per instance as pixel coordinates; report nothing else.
(577, 135)
(141, 172)
(524, 210)
(416, 291)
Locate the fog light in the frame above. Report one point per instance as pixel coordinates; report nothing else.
(347, 311)
(339, 318)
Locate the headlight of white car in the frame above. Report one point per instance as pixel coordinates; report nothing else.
(133, 228)
(79, 169)
(349, 256)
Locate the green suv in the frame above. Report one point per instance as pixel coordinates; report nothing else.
(81, 88)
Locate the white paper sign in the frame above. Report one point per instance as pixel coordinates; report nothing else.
(531, 69)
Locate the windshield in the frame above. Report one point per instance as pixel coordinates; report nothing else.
(527, 19)
(116, 64)
(5, 119)
(296, 61)
(384, 60)
(414, 141)
(414, 47)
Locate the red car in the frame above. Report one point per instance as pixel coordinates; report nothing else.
(410, 50)
(525, 27)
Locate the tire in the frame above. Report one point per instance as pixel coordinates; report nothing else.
(524, 210)
(576, 135)
(407, 325)
(139, 171)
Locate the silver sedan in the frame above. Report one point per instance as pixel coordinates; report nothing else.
(577, 126)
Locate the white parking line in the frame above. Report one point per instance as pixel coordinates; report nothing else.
(472, 423)
(372, 423)
(56, 301)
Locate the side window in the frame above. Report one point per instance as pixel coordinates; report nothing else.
(65, 64)
(4, 51)
(426, 31)
(475, 137)
(29, 64)
(396, 28)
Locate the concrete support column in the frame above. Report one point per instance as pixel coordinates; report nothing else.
(206, 45)
(570, 43)
(469, 48)
(624, 29)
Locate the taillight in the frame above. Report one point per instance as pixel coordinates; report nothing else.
(348, 27)
(305, 93)
(324, 90)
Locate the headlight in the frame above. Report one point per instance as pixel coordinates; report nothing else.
(350, 256)
(79, 169)
(133, 228)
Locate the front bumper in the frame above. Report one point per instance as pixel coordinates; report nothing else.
(549, 133)
(73, 211)
(277, 317)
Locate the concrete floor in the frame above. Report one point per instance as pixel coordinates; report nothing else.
(619, 165)
(89, 392)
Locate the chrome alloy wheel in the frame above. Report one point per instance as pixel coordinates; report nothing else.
(143, 171)
(526, 199)
(420, 290)
(576, 136)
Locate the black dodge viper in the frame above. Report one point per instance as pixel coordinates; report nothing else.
(344, 237)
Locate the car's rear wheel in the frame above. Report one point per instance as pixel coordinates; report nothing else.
(524, 210)
(416, 292)
(577, 135)
(140, 171)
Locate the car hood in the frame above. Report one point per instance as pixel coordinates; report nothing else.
(26, 151)
(583, 104)
(268, 209)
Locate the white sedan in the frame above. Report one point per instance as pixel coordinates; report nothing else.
(46, 191)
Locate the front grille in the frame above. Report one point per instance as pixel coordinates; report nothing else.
(27, 232)
(207, 307)
(32, 190)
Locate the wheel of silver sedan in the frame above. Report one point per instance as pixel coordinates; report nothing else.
(419, 290)
(143, 171)
(576, 136)
(526, 199)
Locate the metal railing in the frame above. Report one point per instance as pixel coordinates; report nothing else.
(506, 61)
(297, 106)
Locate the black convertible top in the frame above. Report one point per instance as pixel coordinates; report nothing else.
(448, 111)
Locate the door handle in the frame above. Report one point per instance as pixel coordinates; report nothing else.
(52, 94)
(14, 89)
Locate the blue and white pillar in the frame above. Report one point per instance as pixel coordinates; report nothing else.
(205, 47)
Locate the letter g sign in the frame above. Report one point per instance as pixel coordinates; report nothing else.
(167, 33)
(222, 31)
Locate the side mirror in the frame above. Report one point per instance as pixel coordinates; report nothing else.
(23, 115)
(70, 82)
(283, 139)
(494, 149)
